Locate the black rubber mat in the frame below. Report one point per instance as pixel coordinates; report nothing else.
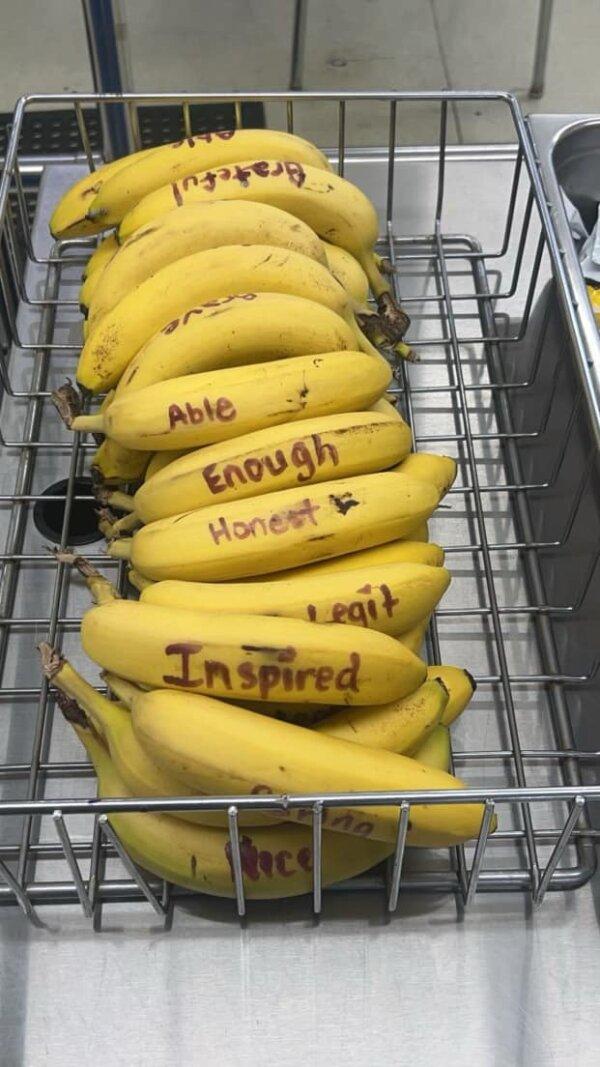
(53, 132)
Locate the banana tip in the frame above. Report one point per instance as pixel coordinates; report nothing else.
(471, 679)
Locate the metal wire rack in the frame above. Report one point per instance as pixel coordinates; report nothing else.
(501, 385)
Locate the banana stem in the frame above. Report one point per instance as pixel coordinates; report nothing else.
(106, 522)
(67, 401)
(377, 282)
(88, 423)
(125, 691)
(137, 580)
(101, 589)
(119, 549)
(126, 524)
(82, 699)
(114, 498)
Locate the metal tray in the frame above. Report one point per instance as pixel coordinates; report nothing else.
(502, 384)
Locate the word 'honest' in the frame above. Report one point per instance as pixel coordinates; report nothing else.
(279, 522)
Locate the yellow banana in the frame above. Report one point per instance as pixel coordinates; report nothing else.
(384, 407)
(172, 296)
(248, 656)
(235, 331)
(413, 639)
(280, 530)
(281, 457)
(101, 256)
(348, 272)
(69, 216)
(277, 861)
(115, 465)
(435, 751)
(110, 463)
(460, 685)
(390, 598)
(160, 460)
(429, 467)
(393, 552)
(399, 726)
(337, 210)
(301, 714)
(172, 162)
(112, 722)
(221, 747)
(193, 229)
(86, 293)
(200, 409)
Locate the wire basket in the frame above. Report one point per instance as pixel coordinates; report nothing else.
(500, 384)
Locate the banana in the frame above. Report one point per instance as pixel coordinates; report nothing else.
(460, 685)
(201, 409)
(193, 229)
(393, 552)
(280, 530)
(389, 599)
(112, 722)
(160, 460)
(384, 407)
(110, 463)
(399, 726)
(337, 210)
(221, 747)
(435, 751)
(280, 457)
(172, 162)
(101, 256)
(87, 290)
(69, 216)
(115, 465)
(429, 467)
(277, 861)
(413, 639)
(238, 331)
(248, 656)
(348, 272)
(300, 714)
(174, 294)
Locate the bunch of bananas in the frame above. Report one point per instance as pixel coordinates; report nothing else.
(273, 517)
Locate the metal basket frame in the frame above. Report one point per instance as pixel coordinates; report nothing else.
(437, 251)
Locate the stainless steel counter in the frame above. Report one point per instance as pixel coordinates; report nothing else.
(499, 984)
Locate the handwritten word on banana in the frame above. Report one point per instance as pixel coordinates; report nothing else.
(270, 669)
(207, 138)
(220, 410)
(202, 309)
(242, 174)
(305, 456)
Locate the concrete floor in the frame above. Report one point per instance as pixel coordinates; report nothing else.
(350, 44)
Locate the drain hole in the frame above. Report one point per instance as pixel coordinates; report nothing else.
(48, 515)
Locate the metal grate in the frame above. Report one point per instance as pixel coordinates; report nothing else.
(498, 386)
